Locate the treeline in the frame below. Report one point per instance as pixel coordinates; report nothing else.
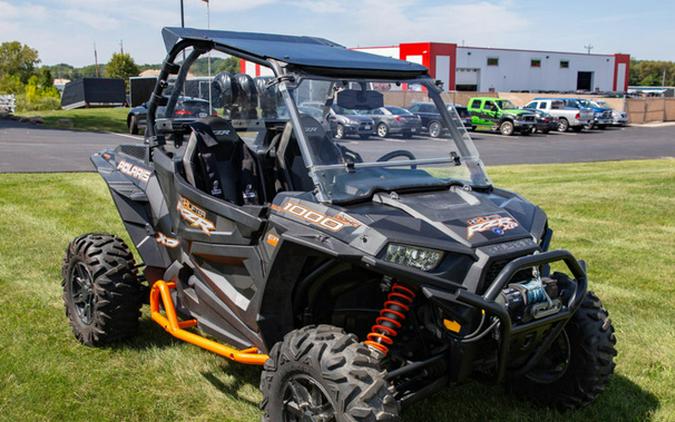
(199, 68)
(652, 73)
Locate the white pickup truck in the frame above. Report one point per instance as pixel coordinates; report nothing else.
(569, 118)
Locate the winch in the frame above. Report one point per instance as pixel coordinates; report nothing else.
(534, 299)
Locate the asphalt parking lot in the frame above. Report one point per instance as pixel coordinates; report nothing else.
(29, 148)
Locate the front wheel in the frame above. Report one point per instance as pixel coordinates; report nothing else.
(506, 128)
(101, 291)
(339, 132)
(382, 130)
(320, 373)
(579, 363)
(133, 125)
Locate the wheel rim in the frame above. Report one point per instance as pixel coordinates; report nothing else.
(434, 130)
(507, 129)
(305, 400)
(562, 126)
(82, 292)
(339, 132)
(382, 131)
(554, 363)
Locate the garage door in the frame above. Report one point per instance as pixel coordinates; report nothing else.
(468, 79)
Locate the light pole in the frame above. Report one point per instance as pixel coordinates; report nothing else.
(182, 15)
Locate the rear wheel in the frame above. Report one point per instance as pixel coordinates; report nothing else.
(579, 363)
(101, 291)
(435, 129)
(506, 128)
(382, 130)
(322, 374)
(563, 125)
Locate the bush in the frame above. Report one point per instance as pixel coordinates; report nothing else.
(38, 97)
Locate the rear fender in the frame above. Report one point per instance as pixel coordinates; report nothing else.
(140, 204)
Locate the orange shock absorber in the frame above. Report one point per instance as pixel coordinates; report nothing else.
(390, 321)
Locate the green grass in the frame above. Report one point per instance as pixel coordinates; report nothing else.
(617, 215)
(93, 119)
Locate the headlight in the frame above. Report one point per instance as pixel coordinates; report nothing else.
(413, 256)
(352, 122)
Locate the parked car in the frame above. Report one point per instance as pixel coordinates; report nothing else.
(187, 108)
(343, 121)
(501, 115)
(431, 118)
(602, 116)
(619, 118)
(391, 120)
(568, 117)
(545, 121)
(464, 115)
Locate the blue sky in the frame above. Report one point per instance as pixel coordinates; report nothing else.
(65, 30)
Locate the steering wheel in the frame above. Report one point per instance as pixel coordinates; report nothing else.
(398, 153)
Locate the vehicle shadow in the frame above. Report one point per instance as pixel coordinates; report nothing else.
(232, 377)
(150, 336)
(623, 400)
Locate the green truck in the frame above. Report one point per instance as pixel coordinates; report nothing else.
(498, 114)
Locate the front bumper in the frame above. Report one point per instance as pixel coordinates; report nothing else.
(523, 124)
(359, 128)
(449, 295)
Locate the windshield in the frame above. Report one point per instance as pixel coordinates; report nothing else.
(350, 160)
(505, 104)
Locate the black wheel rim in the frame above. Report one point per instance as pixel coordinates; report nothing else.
(82, 292)
(553, 365)
(305, 400)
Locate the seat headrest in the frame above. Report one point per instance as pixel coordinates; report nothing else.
(218, 128)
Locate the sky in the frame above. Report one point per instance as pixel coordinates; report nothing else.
(64, 31)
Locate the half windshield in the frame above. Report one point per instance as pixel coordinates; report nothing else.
(354, 153)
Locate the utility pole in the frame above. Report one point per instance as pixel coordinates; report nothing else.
(663, 78)
(122, 46)
(588, 48)
(95, 59)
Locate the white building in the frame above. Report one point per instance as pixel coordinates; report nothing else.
(501, 69)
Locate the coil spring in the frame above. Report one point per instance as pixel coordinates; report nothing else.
(386, 327)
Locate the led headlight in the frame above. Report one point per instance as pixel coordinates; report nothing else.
(413, 256)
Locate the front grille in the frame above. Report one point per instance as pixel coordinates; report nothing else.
(528, 118)
(493, 270)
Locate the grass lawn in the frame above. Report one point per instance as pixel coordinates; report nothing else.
(617, 215)
(94, 119)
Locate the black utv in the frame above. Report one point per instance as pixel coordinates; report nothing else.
(361, 275)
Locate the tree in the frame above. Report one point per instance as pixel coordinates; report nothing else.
(122, 66)
(17, 59)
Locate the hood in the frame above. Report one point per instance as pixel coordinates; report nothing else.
(450, 220)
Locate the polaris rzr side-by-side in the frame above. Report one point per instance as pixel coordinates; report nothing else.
(362, 275)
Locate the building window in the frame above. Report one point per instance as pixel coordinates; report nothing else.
(564, 64)
(493, 61)
(535, 63)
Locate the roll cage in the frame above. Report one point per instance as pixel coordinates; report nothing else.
(289, 71)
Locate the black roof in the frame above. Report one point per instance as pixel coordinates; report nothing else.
(304, 52)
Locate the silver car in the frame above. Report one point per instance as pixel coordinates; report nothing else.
(391, 120)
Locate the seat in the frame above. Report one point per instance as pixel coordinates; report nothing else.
(219, 163)
(323, 149)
